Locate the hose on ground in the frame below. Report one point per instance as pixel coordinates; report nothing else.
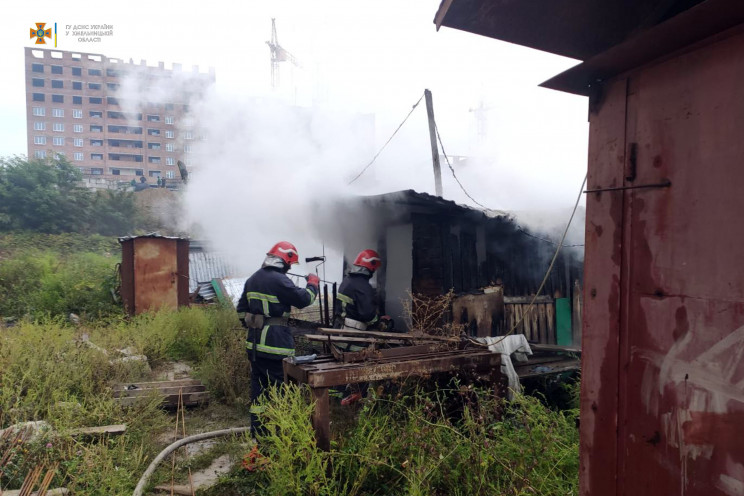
(139, 490)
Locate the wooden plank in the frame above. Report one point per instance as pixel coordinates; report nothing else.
(555, 348)
(157, 384)
(542, 319)
(516, 324)
(164, 390)
(97, 431)
(550, 313)
(352, 339)
(381, 370)
(534, 319)
(385, 335)
(189, 399)
(526, 322)
(537, 370)
(376, 354)
(522, 300)
(321, 418)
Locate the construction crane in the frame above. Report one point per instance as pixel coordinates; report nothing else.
(481, 120)
(278, 54)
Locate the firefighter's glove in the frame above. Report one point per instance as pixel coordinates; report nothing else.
(386, 324)
(313, 280)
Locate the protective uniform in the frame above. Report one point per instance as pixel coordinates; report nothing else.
(356, 307)
(268, 296)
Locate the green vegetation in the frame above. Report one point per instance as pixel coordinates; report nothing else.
(42, 283)
(415, 444)
(49, 373)
(416, 439)
(46, 196)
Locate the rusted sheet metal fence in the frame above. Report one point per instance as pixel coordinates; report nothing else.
(538, 324)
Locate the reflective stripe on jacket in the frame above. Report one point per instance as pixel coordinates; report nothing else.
(271, 293)
(355, 300)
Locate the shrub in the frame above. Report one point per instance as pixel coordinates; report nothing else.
(44, 283)
(410, 445)
(225, 368)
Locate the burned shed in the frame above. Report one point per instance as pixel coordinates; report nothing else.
(662, 400)
(431, 245)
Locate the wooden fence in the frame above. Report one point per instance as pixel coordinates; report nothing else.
(538, 324)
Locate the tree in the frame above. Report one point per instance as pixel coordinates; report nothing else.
(46, 196)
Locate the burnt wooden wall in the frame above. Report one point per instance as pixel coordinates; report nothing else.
(515, 260)
(519, 261)
(443, 260)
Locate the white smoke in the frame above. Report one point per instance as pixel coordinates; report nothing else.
(268, 170)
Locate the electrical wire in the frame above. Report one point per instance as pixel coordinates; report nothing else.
(486, 209)
(446, 158)
(386, 143)
(547, 273)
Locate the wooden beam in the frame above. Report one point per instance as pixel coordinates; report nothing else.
(388, 335)
(157, 384)
(351, 339)
(166, 391)
(321, 418)
(98, 431)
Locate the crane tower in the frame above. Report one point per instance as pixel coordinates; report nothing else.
(278, 54)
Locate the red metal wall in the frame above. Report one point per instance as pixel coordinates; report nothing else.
(663, 373)
(154, 273)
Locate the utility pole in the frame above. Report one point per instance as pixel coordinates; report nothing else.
(434, 147)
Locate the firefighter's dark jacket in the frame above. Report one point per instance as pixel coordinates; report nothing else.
(270, 293)
(356, 299)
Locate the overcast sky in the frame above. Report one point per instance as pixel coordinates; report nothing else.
(356, 57)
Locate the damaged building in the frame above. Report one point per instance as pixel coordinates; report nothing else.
(431, 245)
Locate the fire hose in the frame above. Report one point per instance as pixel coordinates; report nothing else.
(139, 490)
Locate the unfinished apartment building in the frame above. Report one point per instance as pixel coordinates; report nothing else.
(99, 112)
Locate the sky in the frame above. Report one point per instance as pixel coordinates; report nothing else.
(526, 153)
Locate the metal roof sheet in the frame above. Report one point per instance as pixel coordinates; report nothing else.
(205, 266)
(151, 235)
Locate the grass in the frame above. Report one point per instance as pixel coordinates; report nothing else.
(411, 443)
(418, 438)
(47, 373)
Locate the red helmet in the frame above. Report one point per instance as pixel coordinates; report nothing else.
(286, 251)
(368, 259)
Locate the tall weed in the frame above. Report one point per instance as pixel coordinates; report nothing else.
(412, 444)
(225, 367)
(44, 283)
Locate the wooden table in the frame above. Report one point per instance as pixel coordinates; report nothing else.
(325, 372)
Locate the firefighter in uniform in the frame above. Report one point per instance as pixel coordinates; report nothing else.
(356, 307)
(268, 296)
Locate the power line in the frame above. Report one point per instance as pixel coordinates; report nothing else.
(388, 141)
(439, 138)
(519, 228)
(550, 267)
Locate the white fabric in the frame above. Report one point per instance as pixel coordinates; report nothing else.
(506, 346)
